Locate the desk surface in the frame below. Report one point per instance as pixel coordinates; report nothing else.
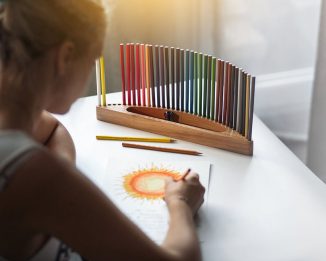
(266, 207)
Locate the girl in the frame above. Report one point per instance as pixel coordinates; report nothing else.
(48, 48)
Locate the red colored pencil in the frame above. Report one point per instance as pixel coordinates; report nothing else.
(138, 75)
(132, 62)
(123, 79)
(128, 72)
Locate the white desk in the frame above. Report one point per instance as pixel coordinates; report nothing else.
(266, 207)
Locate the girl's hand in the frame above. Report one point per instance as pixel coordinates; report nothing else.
(190, 190)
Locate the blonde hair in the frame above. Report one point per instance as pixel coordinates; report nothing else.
(31, 27)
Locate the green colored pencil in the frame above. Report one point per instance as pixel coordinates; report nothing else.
(200, 87)
(213, 95)
(196, 83)
(205, 86)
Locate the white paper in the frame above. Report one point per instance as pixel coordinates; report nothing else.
(150, 215)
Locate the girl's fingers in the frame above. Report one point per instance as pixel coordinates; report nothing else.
(192, 176)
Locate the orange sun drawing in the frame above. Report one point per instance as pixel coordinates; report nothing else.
(148, 183)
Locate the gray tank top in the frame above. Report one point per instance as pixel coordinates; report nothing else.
(14, 148)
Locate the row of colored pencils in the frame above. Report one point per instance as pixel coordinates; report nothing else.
(184, 80)
(100, 81)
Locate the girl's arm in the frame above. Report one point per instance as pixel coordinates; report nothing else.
(50, 132)
(66, 204)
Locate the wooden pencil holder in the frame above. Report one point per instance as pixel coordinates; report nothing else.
(182, 94)
(176, 124)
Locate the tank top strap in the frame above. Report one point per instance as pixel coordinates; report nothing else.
(14, 147)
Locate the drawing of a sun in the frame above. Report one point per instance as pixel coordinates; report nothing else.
(148, 183)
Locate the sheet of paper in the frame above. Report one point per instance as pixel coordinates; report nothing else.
(137, 186)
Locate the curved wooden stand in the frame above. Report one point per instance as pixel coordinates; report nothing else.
(178, 125)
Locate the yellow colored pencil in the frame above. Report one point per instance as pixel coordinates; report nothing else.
(102, 69)
(140, 139)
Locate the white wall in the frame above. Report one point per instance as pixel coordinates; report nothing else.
(262, 36)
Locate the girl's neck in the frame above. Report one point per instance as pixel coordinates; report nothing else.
(19, 118)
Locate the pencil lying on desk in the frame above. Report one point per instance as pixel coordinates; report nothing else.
(144, 147)
(140, 139)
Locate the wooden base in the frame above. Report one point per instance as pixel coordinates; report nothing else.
(178, 125)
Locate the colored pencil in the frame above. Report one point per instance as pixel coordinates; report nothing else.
(138, 82)
(182, 76)
(152, 80)
(172, 79)
(157, 76)
(192, 77)
(239, 116)
(143, 73)
(252, 100)
(235, 106)
(231, 96)
(247, 112)
(167, 77)
(123, 77)
(161, 149)
(225, 92)
(162, 76)
(221, 90)
(200, 87)
(128, 73)
(209, 87)
(98, 81)
(138, 139)
(195, 99)
(187, 80)
(102, 67)
(183, 177)
(133, 82)
(148, 92)
(205, 86)
(218, 88)
(177, 78)
(244, 83)
(213, 88)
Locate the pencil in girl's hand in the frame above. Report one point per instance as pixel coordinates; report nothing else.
(184, 175)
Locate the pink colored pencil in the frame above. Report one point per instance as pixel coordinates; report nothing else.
(123, 80)
(128, 73)
(138, 75)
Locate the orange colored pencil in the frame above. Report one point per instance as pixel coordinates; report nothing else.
(162, 149)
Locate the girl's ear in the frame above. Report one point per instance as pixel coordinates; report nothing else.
(64, 57)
